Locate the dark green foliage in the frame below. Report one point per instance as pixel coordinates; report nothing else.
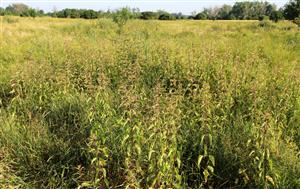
(166, 16)
(224, 13)
(250, 10)
(89, 14)
(68, 13)
(149, 15)
(292, 10)
(261, 18)
(32, 13)
(179, 16)
(19, 9)
(2, 11)
(201, 16)
(245, 10)
(276, 16)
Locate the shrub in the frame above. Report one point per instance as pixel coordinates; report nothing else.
(10, 19)
(265, 24)
(297, 21)
(276, 16)
(263, 17)
(149, 15)
(292, 9)
(166, 16)
(121, 17)
(201, 16)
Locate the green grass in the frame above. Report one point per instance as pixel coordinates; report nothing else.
(178, 104)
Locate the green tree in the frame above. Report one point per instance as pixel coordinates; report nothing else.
(2, 11)
(17, 8)
(88, 14)
(121, 17)
(148, 15)
(166, 16)
(276, 16)
(201, 16)
(224, 13)
(292, 10)
(32, 13)
(252, 9)
(263, 17)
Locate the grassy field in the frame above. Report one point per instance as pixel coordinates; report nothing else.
(164, 104)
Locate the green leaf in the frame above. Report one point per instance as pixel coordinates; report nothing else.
(210, 168)
(206, 174)
(212, 159)
(270, 179)
(210, 139)
(199, 160)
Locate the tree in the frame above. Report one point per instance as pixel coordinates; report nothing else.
(17, 8)
(32, 12)
(136, 13)
(121, 17)
(54, 12)
(252, 9)
(292, 10)
(263, 17)
(148, 15)
(201, 16)
(224, 13)
(166, 16)
(179, 16)
(270, 9)
(276, 16)
(74, 13)
(40, 12)
(2, 11)
(88, 14)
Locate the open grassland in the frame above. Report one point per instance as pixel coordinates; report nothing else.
(179, 104)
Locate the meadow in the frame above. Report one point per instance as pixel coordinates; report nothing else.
(162, 104)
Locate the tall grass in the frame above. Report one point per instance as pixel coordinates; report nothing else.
(182, 104)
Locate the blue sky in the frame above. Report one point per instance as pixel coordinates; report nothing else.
(184, 6)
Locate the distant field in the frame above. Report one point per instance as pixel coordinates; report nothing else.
(164, 104)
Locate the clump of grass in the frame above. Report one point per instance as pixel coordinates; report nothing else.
(10, 19)
(266, 24)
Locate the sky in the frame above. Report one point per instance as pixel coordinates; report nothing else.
(184, 6)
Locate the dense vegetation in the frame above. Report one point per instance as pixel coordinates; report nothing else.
(244, 10)
(157, 105)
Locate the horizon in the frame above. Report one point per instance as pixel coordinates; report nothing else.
(173, 6)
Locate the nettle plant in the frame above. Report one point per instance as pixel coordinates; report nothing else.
(121, 17)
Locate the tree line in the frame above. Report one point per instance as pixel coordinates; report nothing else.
(246, 10)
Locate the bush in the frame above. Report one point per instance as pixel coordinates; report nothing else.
(276, 16)
(149, 15)
(10, 19)
(121, 17)
(201, 16)
(292, 9)
(166, 16)
(89, 14)
(263, 17)
(265, 24)
(297, 21)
